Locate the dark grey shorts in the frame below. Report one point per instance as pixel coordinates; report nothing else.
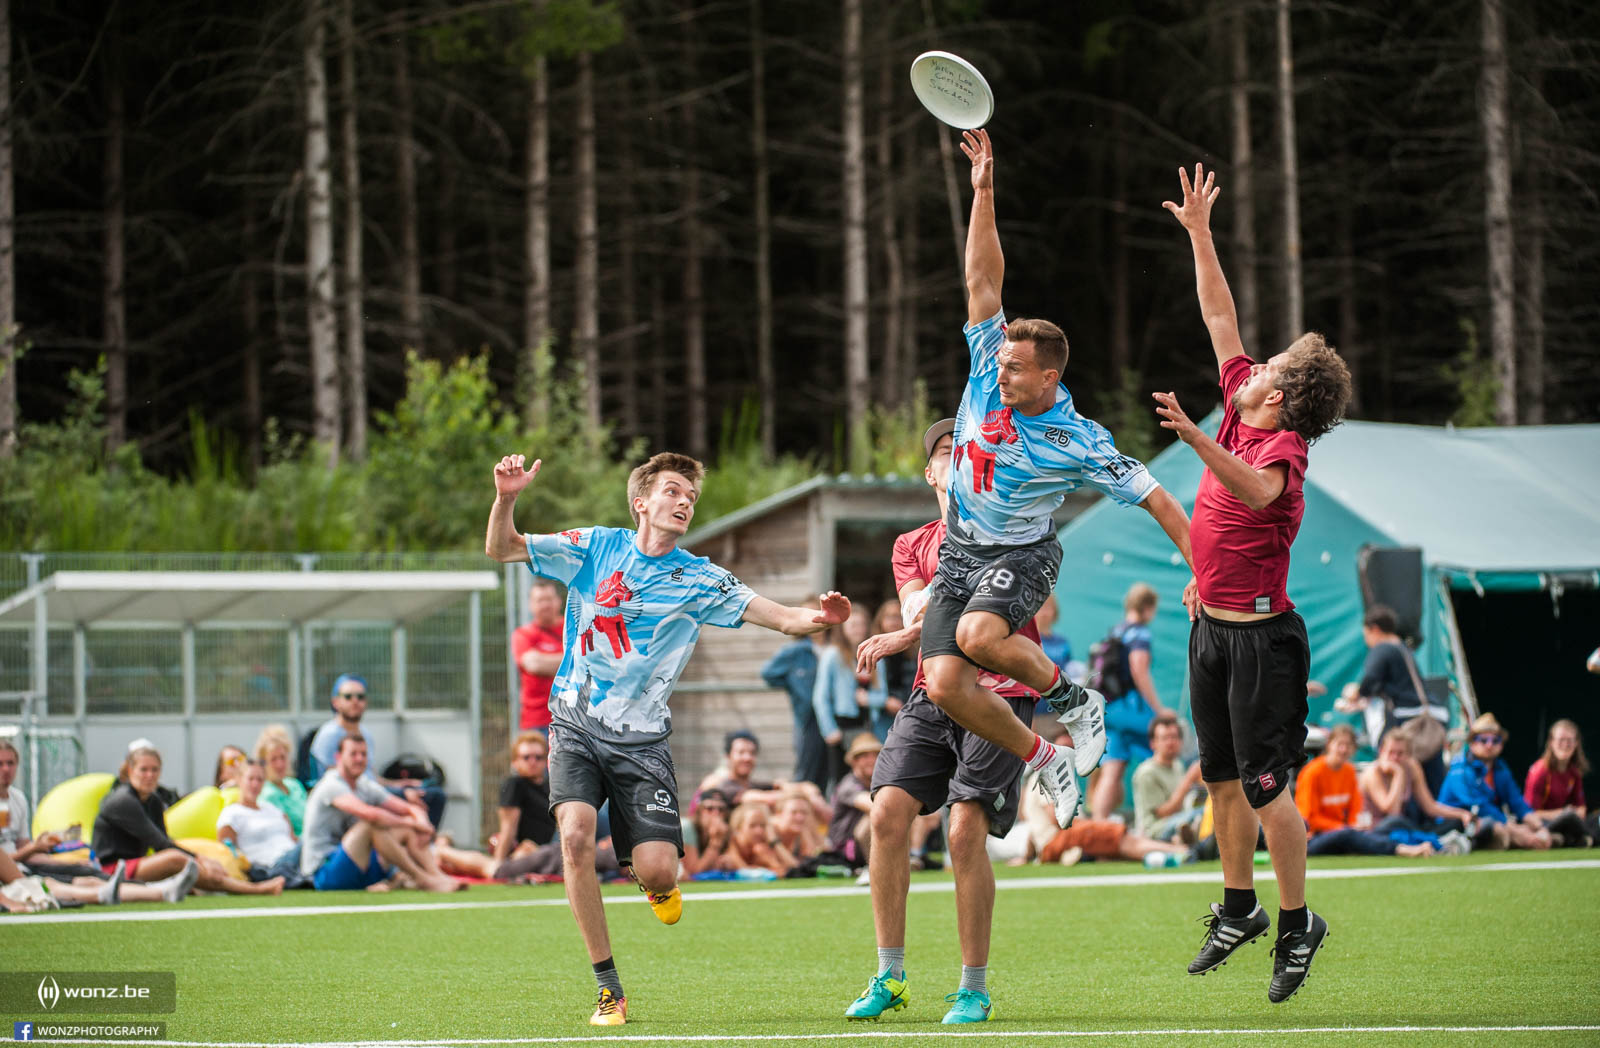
(938, 761)
(1012, 582)
(638, 780)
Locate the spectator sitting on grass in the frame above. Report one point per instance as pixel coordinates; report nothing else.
(526, 843)
(735, 778)
(15, 840)
(1107, 839)
(229, 760)
(282, 790)
(1480, 782)
(1396, 790)
(349, 703)
(751, 843)
(1161, 786)
(796, 827)
(850, 827)
(261, 834)
(706, 833)
(1329, 799)
(132, 823)
(354, 826)
(1554, 787)
(93, 891)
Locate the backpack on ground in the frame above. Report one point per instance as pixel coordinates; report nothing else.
(1106, 659)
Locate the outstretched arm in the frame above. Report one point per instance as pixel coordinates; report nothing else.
(798, 622)
(503, 542)
(1256, 488)
(1216, 301)
(986, 266)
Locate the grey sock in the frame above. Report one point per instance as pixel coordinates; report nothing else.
(605, 973)
(892, 960)
(109, 891)
(975, 979)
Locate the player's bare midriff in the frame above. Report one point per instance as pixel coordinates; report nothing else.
(1229, 615)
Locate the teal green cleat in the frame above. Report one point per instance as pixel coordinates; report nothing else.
(883, 994)
(969, 1006)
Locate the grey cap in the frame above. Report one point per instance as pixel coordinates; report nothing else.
(944, 427)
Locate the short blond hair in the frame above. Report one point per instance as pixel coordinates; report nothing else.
(271, 737)
(643, 478)
(1141, 597)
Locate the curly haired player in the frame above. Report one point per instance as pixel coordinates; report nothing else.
(1248, 655)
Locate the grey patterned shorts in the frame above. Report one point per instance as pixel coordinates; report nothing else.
(1012, 582)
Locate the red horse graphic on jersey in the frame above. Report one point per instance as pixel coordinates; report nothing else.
(996, 430)
(611, 594)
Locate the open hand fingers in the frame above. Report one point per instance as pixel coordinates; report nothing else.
(1183, 177)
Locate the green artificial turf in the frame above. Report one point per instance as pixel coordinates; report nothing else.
(1454, 946)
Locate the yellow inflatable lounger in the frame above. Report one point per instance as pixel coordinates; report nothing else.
(232, 864)
(73, 803)
(195, 815)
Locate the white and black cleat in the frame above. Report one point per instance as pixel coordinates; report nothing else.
(1226, 934)
(1292, 956)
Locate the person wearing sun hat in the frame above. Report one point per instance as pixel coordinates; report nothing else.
(1481, 782)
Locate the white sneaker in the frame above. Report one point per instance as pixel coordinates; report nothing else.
(1455, 843)
(1059, 783)
(174, 888)
(1086, 722)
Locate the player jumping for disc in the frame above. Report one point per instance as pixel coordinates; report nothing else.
(635, 605)
(1248, 654)
(927, 761)
(1020, 446)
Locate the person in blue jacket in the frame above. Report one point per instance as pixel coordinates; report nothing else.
(794, 669)
(843, 702)
(1481, 782)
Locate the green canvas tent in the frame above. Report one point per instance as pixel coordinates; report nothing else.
(1508, 522)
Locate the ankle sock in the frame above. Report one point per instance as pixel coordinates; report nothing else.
(976, 979)
(1238, 902)
(1292, 921)
(1041, 755)
(605, 973)
(892, 960)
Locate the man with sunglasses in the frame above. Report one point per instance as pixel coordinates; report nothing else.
(1481, 782)
(349, 702)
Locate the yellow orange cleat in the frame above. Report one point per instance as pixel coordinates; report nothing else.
(611, 1010)
(668, 907)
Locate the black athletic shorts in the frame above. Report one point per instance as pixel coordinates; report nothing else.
(637, 779)
(1247, 695)
(938, 761)
(1012, 582)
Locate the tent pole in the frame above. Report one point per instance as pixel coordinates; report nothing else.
(1458, 654)
(513, 620)
(80, 680)
(189, 704)
(398, 668)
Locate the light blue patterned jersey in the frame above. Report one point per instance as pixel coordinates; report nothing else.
(1009, 471)
(632, 623)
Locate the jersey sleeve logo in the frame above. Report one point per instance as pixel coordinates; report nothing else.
(615, 607)
(997, 430)
(573, 536)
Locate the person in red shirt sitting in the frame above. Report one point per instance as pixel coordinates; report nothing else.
(1329, 799)
(537, 648)
(1249, 659)
(1554, 787)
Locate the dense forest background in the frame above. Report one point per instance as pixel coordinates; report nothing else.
(336, 251)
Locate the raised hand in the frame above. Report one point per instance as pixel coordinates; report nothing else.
(874, 648)
(976, 145)
(835, 609)
(1198, 196)
(1173, 417)
(510, 476)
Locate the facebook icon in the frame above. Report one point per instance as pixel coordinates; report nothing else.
(21, 1031)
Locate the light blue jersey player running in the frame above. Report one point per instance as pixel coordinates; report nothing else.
(1020, 447)
(635, 606)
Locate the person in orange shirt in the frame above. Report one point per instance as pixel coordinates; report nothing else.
(1329, 800)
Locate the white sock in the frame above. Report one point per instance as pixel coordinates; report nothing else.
(975, 979)
(893, 960)
(1043, 754)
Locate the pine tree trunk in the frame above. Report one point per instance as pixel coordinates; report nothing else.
(587, 293)
(1496, 116)
(893, 268)
(321, 323)
(536, 293)
(694, 308)
(1121, 296)
(912, 156)
(947, 165)
(355, 336)
(627, 340)
(1294, 289)
(1242, 273)
(857, 395)
(766, 377)
(1350, 346)
(114, 312)
(1530, 369)
(405, 170)
(8, 258)
(251, 308)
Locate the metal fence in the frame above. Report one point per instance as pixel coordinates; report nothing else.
(245, 671)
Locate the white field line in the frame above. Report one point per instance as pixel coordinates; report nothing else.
(1118, 880)
(899, 1034)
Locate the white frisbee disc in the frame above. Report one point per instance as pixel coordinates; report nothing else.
(952, 89)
